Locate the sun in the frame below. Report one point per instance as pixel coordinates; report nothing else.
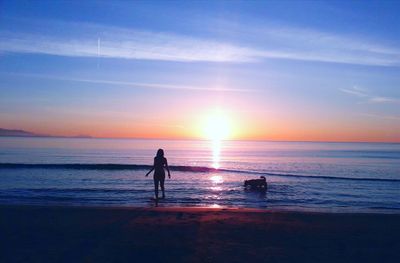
(217, 126)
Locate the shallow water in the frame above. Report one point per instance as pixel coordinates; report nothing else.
(300, 175)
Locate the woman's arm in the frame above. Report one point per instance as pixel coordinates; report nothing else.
(166, 166)
(152, 168)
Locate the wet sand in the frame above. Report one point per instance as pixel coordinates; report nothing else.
(88, 234)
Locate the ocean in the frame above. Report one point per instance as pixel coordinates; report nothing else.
(316, 176)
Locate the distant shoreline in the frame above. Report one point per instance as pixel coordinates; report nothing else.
(49, 136)
(28, 134)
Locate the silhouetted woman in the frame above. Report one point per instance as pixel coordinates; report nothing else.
(160, 162)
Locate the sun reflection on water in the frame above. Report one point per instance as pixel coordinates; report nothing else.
(216, 179)
(216, 188)
(216, 128)
(216, 147)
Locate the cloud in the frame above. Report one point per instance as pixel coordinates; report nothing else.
(356, 91)
(385, 117)
(292, 42)
(161, 86)
(324, 40)
(127, 45)
(369, 98)
(251, 44)
(140, 84)
(382, 100)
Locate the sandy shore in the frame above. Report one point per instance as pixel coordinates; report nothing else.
(82, 234)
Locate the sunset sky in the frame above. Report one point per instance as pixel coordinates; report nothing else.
(268, 70)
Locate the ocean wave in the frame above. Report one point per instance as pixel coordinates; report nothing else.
(110, 166)
(104, 166)
(75, 166)
(328, 177)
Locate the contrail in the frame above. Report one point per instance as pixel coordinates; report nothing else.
(98, 52)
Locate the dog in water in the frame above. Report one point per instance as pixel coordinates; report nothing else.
(259, 184)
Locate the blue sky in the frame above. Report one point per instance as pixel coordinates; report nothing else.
(287, 70)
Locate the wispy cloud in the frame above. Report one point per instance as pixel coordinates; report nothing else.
(368, 97)
(140, 84)
(385, 117)
(127, 45)
(252, 44)
(161, 86)
(356, 91)
(304, 43)
(383, 100)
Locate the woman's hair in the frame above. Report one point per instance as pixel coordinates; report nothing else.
(160, 153)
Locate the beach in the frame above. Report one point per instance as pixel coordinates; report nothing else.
(160, 234)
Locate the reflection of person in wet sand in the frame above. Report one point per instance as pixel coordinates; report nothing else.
(160, 162)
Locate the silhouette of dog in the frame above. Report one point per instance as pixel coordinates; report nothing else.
(260, 184)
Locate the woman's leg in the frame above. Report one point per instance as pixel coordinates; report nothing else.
(162, 186)
(156, 181)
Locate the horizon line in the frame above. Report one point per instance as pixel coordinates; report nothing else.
(196, 139)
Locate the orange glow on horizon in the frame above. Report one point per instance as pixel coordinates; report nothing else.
(347, 134)
(217, 125)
